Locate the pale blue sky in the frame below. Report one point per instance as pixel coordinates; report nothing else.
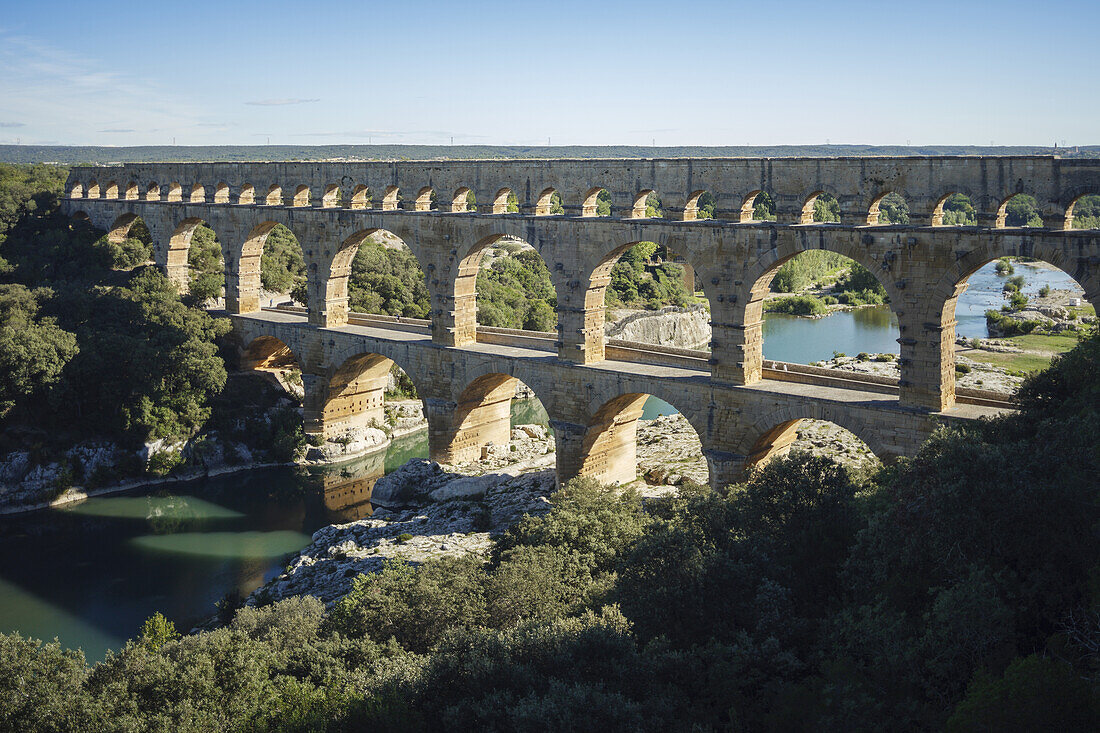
(701, 73)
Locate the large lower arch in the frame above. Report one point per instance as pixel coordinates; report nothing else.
(269, 353)
(120, 229)
(772, 435)
(352, 396)
(179, 245)
(330, 303)
(742, 360)
(668, 284)
(244, 284)
(608, 451)
(480, 417)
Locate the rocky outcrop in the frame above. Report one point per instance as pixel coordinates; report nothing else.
(684, 328)
(453, 523)
(977, 374)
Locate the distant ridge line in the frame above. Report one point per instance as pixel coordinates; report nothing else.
(77, 154)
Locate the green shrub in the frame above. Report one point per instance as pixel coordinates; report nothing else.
(798, 305)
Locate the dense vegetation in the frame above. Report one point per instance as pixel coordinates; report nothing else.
(515, 291)
(94, 343)
(956, 590)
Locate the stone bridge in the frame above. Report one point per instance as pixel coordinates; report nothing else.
(593, 392)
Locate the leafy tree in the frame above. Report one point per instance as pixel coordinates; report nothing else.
(826, 208)
(958, 211)
(1086, 213)
(1035, 693)
(892, 209)
(282, 265)
(204, 258)
(515, 291)
(387, 281)
(33, 349)
(1022, 211)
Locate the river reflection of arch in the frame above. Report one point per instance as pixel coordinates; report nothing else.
(346, 489)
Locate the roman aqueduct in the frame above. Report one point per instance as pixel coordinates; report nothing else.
(743, 407)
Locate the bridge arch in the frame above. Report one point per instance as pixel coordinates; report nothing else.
(944, 295)
(76, 190)
(152, 192)
(269, 353)
(221, 193)
(198, 194)
(244, 272)
(274, 196)
(353, 393)
(175, 191)
(549, 203)
(131, 191)
(93, 189)
(360, 198)
(597, 202)
(330, 295)
(247, 196)
(301, 196)
(700, 205)
(505, 202)
(177, 258)
(463, 297)
(758, 205)
(1090, 203)
(654, 281)
(481, 416)
(110, 191)
(120, 228)
(425, 197)
(644, 203)
(828, 213)
(608, 451)
(888, 208)
(391, 198)
(330, 199)
(772, 435)
(955, 208)
(748, 310)
(463, 201)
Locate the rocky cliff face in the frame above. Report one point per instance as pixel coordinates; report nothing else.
(683, 328)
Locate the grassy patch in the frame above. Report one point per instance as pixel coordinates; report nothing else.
(1054, 343)
(1016, 364)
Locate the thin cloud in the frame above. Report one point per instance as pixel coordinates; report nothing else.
(12, 124)
(42, 84)
(280, 102)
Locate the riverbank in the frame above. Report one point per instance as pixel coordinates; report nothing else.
(38, 488)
